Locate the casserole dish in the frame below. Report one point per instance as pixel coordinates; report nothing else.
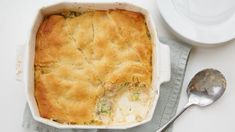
(160, 61)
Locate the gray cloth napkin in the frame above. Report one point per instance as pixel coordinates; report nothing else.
(166, 106)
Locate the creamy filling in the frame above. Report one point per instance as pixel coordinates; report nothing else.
(124, 103)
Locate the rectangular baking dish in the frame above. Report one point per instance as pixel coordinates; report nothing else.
(160, 60)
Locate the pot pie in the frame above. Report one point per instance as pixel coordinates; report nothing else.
(93, 67)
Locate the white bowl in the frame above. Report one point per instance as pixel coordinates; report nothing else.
(161, 61)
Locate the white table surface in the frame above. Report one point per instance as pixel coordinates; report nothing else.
(15, 21)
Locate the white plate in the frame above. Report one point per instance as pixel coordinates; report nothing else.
(201, 22)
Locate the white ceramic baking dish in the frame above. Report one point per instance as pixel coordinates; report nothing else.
(161, 60)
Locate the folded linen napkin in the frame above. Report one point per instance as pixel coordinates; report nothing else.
(166, 106)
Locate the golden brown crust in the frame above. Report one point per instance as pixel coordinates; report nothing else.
(76, 56)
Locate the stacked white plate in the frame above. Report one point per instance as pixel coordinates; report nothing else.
(200, 22)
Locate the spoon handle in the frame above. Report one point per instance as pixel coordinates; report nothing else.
(174, 118)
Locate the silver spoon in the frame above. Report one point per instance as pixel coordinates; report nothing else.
(205, 88)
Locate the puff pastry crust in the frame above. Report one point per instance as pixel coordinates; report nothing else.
(85, 62)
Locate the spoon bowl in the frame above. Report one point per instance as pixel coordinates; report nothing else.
(205, 88)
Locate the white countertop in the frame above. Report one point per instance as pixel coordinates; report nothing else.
(15, 21)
